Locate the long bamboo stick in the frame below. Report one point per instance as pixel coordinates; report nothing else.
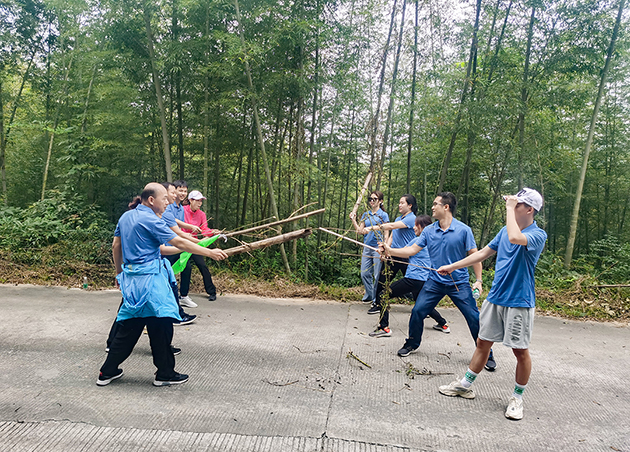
(376, 249)
(276, 223)
(294, 235)
(362, 194)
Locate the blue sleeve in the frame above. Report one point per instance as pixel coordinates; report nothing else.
(161, 231)
(494, 245)
(169, 219)
(536, 239)
(413, 241)
(385, 217)
(422, 240)
(470, 240)
(117, 231)
(409, 220)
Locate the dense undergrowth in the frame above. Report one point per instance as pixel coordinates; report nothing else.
(61, 240)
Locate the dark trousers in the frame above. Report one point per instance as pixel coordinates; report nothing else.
(128, 332)
(388, 272)
(430, 295)
(200, 262)
(398, 290)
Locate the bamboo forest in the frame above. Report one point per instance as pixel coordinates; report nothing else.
(273, 108)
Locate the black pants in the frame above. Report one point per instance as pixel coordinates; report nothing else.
(128, 332)
(200, 262)
(398, 290)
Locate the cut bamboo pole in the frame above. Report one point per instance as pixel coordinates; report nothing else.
(362, 194)
(268, 242)
(276, 223)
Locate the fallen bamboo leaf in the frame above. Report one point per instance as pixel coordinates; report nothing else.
(275, 383)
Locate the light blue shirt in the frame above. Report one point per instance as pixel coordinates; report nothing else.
(513, 284)
(420, 259)
(141, 233)
(373, 219)
(400, 237)
(447, 247)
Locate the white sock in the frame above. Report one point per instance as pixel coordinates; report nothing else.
(518, 391)
(469, 378)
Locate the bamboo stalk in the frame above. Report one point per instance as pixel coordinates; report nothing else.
(268, 242)
(362, 194)
(276, 223)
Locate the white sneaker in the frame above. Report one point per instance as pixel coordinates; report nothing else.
(514, 409)
(187, 302)
(455, 389)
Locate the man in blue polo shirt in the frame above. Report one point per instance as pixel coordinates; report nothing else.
(507, 315)
(145, 281)
(448, 240)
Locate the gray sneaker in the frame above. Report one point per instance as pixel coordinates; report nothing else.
(187, 302)
(514, 409)
(455, 389)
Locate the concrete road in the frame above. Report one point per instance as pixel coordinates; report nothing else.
(276, 375)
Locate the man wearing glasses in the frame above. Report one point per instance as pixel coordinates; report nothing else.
(448, 240)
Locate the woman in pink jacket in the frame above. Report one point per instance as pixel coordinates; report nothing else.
(195, 216)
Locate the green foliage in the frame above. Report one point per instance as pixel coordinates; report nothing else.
(59, 229)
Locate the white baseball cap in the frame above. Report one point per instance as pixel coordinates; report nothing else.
(530, 197)
(196, 195)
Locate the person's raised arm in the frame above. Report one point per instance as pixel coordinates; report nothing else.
(407, 251)
(387, 226)
(475, 258)
(187, 245)
(359, 228)
(515, 235)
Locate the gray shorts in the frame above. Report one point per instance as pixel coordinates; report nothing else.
(512, 326)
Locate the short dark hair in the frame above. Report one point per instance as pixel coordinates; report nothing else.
(449, 200)
(167, 185)
(180, 183)
(411, 200)
(423, 221)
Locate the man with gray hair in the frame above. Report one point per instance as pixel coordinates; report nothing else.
(507, 315)
(145, 281)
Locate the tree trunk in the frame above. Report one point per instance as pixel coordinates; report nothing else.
(523, 106)
(374, 128)
(462, 101)
(56, 122)
(390, 108)
(158, 94)
(589, 141)
(413, 99)
(261, 140)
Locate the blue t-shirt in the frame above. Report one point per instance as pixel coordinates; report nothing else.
(447, 247)
(400, 237)
(513, 284)
(422, 259)
(141, 233)
(373, 219)
(169, 218)
(174, 210)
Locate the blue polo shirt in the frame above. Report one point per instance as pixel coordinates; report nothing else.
(513, 284)
(141, 233)
(400, 237)
(421, 259)
(173, 212)
(447, 247)
(373, 219)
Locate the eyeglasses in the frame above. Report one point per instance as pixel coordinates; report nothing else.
(373, 199)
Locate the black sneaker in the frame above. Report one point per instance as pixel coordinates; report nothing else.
(491, 364)
(375, 309)
(104, 380)
(176, 379)
(368, 301)
(186, 319)
(175, 350)
(406, 350)
(212, 297)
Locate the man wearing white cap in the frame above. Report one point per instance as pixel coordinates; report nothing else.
(507, 315)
